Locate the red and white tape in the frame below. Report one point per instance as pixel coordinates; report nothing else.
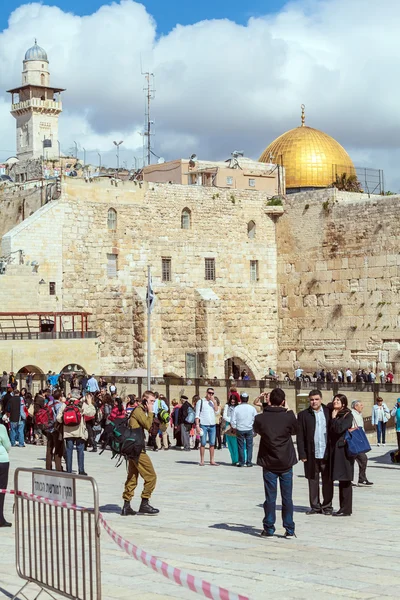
(195, 584)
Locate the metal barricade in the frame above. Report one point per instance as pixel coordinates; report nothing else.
(57, 542)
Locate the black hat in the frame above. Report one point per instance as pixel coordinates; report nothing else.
(184, 398)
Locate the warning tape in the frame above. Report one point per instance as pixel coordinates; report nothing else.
(195, 584)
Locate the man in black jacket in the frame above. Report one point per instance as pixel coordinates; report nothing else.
(313, 449)
(16, 422)
(277, 455)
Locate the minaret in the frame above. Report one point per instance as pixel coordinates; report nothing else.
(36, 109)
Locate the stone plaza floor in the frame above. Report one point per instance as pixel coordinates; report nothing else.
(209, 525)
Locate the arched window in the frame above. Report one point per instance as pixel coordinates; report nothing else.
(186, 218)
(251, 230)
(112, 219)
(42, 79)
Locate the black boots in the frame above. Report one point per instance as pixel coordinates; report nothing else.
(127, 510)
(146, 509)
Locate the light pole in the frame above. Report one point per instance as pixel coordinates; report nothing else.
(99, 155)
(117, 144)
(76, 150)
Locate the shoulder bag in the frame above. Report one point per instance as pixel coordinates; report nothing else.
(356, 442)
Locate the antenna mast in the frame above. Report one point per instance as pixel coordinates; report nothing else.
(150, 95)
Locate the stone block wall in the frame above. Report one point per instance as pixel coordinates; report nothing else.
(18, 202)
(339, 280)
(225, 318)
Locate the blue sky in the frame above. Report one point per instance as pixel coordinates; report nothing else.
(170, 12)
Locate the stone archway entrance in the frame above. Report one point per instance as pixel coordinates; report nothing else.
(237, 367)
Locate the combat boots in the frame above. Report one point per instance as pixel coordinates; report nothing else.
(146, 509)
(127, 509)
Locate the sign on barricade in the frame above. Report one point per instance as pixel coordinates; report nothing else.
(57, 542)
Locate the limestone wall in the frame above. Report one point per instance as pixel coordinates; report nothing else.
(339, 281)
(17, 202)
(47, 355)
(228, 317)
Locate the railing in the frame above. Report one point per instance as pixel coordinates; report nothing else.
(57, 543)
(52, 335)
(37, 102)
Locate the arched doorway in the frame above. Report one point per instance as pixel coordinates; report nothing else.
(237, 367)
(73, 368)
(34, 384)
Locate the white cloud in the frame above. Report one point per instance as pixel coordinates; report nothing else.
(220, 86)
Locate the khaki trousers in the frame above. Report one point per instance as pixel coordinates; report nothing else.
(144, 468)
(163, 429)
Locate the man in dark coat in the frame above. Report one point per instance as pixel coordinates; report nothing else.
(183, 417)
(276, 456)
(313, 449)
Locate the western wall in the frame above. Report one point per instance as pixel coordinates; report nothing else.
(230, 317)
(339, 281)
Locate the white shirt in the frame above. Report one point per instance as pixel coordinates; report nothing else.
(373, 376)
(358, 420)
(243, 417)
(320, 435)
(349, 373)
(298, 372)
(205, 412)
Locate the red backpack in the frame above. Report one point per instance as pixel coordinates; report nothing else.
(72, 415)
(44, 417)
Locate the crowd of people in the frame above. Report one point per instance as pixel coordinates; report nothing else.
(362, 378)
(87, 415)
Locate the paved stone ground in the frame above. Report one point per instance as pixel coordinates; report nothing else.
(210, 524)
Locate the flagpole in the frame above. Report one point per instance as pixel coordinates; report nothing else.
(148, 329)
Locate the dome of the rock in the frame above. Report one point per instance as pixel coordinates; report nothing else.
(312, 159)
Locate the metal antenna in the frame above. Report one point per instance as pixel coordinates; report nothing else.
(150, 95)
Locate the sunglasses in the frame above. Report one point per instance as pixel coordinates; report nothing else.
(211, 393)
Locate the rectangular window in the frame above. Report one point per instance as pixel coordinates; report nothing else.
(229, 180)
(196, 364)
(52, 288)
(112, 265)
(252, 183)
(210, 269)
(254, 270)
(166, 269)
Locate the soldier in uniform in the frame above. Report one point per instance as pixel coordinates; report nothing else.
(142, 417)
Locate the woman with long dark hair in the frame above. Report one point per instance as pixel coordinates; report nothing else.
(342, 466)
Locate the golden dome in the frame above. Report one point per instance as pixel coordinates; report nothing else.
(311, 158)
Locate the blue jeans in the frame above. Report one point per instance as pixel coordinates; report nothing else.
(270, 487)
(17, 431)
(245, 440)
(211, 431)
(381, 432)
(80, 448)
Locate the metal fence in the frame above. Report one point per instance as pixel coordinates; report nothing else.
(57, 544)
(371, 180)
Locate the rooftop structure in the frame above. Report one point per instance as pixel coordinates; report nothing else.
(238, 172)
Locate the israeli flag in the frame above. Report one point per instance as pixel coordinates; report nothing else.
(150, 296)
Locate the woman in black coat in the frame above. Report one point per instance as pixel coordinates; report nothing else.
(342, 467)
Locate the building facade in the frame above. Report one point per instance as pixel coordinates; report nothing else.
(213, 265)
(236, 173)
